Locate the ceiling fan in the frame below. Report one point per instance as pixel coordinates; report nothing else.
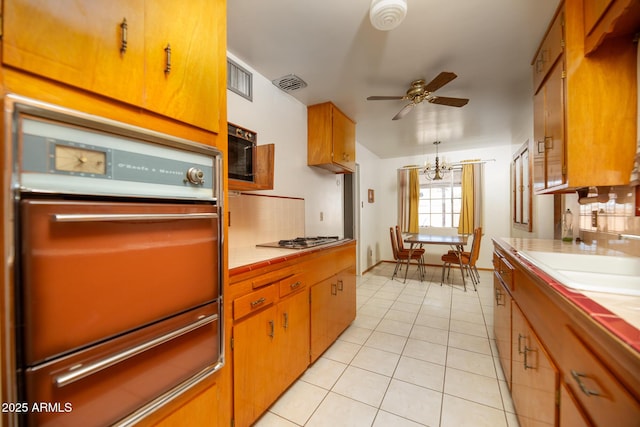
(422, 91)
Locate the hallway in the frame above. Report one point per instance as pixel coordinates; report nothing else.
(418, 354)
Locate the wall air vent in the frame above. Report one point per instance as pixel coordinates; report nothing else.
(289, 83)
(239, 80)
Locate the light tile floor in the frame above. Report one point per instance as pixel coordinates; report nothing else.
(418, 354)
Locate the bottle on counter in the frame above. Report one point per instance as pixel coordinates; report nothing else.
(567, 226)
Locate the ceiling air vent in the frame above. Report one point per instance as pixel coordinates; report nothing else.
(239, 80)
(289, 83)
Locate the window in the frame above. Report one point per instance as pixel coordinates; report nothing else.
(440, 201)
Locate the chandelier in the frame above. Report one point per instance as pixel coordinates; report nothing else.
(440, 170)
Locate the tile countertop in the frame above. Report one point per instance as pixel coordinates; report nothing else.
(620, 314)
(252, 257)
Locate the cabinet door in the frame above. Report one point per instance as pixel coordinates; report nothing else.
(293, 337)
(346, 300)
(570, 413)
(254, 356)
(344, 137)
(533, 376)
(80, 43)
(554, 127)
(539, 176)
(322, 297)
(182, 47)
(502, 326)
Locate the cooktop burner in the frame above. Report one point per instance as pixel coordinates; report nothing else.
(306, 242)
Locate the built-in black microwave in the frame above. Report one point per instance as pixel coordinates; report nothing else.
(242, 146)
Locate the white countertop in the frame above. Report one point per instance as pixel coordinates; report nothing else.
(624, 306)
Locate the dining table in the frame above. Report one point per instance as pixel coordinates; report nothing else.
(455, 242)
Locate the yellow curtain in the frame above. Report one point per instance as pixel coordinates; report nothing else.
(414, 200)
(465, 226)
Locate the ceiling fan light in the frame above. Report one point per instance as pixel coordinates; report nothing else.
(386, 15)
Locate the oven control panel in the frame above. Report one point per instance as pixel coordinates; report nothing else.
(70, 159)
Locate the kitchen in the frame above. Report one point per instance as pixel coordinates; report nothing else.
(312, 203)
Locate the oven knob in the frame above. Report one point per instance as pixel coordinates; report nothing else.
(195, 176)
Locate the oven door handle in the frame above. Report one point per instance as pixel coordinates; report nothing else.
(81, 371)
(130, 217)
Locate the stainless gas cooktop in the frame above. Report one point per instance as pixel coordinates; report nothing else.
(300, 242)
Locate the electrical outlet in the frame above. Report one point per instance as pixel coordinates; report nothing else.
(594, 218)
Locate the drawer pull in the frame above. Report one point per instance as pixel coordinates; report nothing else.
(578, 377)
(526, 360)
(340, 285)
(520, 337)
(271, 328)
(295, 285)
(167, 51)
(258, 302)
(123, 36)
(286, 320)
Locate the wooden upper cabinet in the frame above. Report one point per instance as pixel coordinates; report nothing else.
(605, 19)
(93, 45)
(331, 139)
(585, 109)
(118, 49)
(182, 54)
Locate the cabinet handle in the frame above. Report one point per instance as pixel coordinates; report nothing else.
(526, 361)
(271, 329)
(286, 320)
(520, 336)
(340, 285)
(334, 289)
(499, 295)
(578, 377)
(167, 51)
(295, 285)
(123, 36)
(541, 144)
(257, 302)
(549, 139)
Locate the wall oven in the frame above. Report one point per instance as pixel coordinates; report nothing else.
(242, 148)
(116, 294)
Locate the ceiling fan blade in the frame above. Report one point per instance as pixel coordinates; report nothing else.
(383, 98)
(452, 102)
(441, 79)
(405, 110)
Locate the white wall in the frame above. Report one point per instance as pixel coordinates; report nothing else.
(496, 200)
(280, 119)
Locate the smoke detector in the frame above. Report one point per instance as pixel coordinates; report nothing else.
(386, 15)
(289, 83)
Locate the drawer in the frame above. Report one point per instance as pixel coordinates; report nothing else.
(596, 389)
(254, 301)
(291, 284)
(550, 50)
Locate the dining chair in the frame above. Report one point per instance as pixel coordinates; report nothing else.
(405, 255)
(474, 269)
(467, 260)
(401, 246)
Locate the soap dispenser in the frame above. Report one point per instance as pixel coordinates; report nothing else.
(567, 226)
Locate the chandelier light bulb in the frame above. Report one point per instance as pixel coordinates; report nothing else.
(385, 15)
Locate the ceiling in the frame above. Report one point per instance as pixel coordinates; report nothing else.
(333, 47)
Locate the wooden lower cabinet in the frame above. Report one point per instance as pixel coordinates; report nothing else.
(333, 308)
(566, 369)
(502, 326)
(270, 350)
(533, 375)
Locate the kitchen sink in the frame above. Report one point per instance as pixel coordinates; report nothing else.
(587, 272)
